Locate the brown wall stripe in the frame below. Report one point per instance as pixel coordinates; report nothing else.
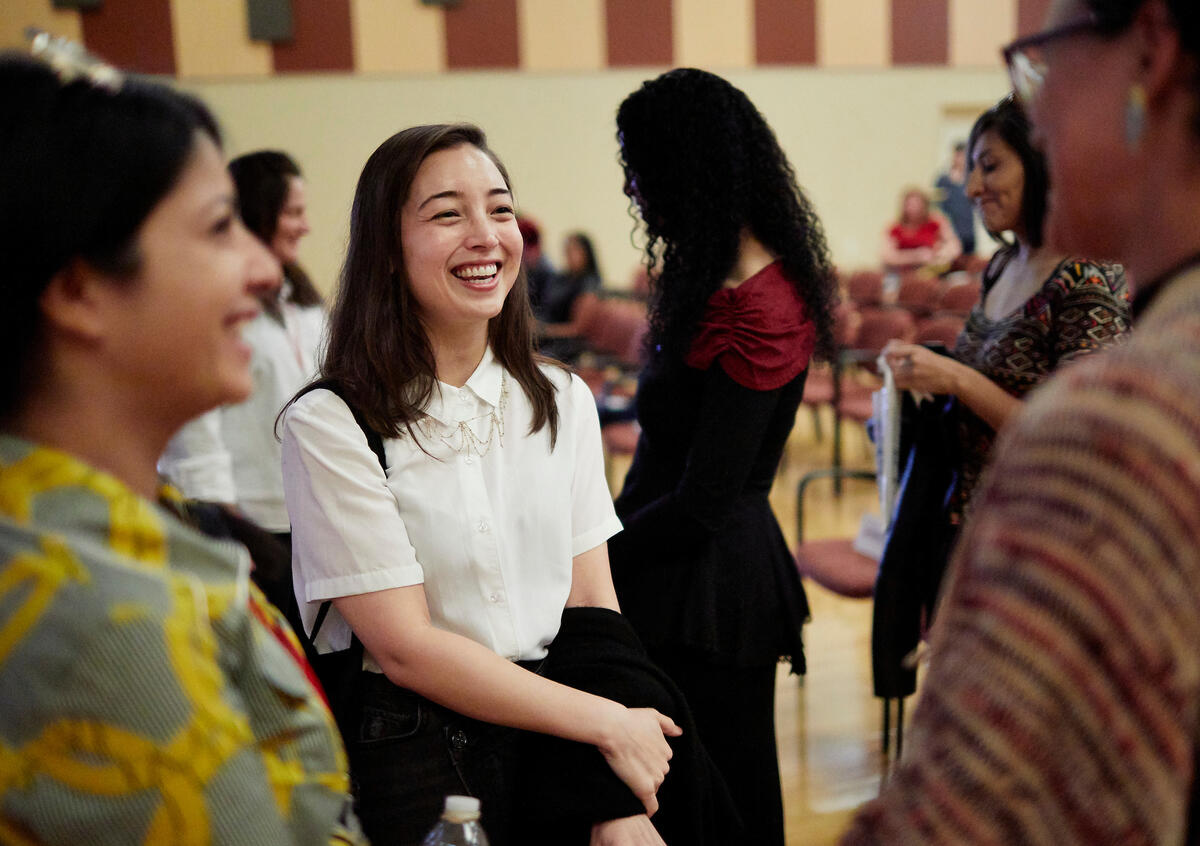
(640, 32)
(177, 37)
(920, 32)
(483, 35)
(321, 41)
(1031, 14)
(785, 32)
(134, 34)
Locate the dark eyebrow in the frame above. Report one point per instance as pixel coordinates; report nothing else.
(441, 195)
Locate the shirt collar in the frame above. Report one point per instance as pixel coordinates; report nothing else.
(1147, 292)
(1170, 297)
(484, 383)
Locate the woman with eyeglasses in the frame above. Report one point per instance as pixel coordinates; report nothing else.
(1063, 701)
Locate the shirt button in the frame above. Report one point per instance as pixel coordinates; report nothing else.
(495, 597)
(468, 460)
(483, 525)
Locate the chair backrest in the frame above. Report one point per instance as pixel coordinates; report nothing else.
(865, 287)
(639, 285)
(975, 264)
(634, 353)
(880, 325)
(960, 298)
(619, 323)
(846, 320)
(585, 313)
(943, 328)
(919, 294)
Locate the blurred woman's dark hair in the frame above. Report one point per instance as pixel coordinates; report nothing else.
(82, 165)
(263, 180)
(702, 165)
(1008, 121)
(591, 267)
(378, 350)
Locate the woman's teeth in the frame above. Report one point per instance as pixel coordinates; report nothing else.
(478, 271)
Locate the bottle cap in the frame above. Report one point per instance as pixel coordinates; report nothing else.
(462, 804)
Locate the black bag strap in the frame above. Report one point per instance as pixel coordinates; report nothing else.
(375, 442)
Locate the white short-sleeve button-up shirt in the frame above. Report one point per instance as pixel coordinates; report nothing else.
(490, 536)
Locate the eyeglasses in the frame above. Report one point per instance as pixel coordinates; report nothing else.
(1026, 60)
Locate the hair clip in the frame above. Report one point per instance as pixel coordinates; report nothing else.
(70, 61)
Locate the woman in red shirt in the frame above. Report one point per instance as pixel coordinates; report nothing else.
(921, 237)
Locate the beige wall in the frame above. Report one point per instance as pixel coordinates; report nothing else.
(855, 136)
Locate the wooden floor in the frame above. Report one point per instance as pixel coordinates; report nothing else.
(828, 723)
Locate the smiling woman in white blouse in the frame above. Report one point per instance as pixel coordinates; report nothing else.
(453, 566)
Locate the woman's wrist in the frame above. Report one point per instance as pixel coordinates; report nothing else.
(960, 378)
(605, 723)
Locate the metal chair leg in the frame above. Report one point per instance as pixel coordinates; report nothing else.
(886, 740)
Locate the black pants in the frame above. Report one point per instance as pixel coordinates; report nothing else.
(734, 709)
(411, 753)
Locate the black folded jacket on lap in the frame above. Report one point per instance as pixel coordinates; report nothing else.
(566, 787)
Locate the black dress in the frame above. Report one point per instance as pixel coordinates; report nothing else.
(702, 569)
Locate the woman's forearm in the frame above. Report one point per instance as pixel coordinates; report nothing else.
(994, 405)
(466, 677)
(917, 368)
(591, 581)
(471, 679)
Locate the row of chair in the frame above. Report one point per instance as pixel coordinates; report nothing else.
(847, 384)
(613, 336)
(917, 292)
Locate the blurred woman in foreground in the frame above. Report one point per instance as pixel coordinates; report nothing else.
(1062, 705)
(150, 693)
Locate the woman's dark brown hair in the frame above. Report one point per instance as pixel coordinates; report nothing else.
(81, 168)
(378, 351)
(1011, 124)
(263, 180)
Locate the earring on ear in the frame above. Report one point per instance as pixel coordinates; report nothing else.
(1135, 116)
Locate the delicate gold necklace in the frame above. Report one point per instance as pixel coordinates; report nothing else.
(462, 438)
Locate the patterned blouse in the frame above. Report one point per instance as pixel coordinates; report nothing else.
(1081, 308)
(148, 693)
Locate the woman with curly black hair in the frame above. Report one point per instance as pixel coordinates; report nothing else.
(742, 300)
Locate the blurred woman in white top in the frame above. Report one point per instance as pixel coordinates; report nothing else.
(231, 455)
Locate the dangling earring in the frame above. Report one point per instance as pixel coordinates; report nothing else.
(1135, 116)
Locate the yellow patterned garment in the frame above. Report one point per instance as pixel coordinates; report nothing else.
(148, 694)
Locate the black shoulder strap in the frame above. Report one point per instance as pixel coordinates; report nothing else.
(374, 439)
(375, 442)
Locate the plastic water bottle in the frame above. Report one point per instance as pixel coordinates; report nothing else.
(459, 825)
